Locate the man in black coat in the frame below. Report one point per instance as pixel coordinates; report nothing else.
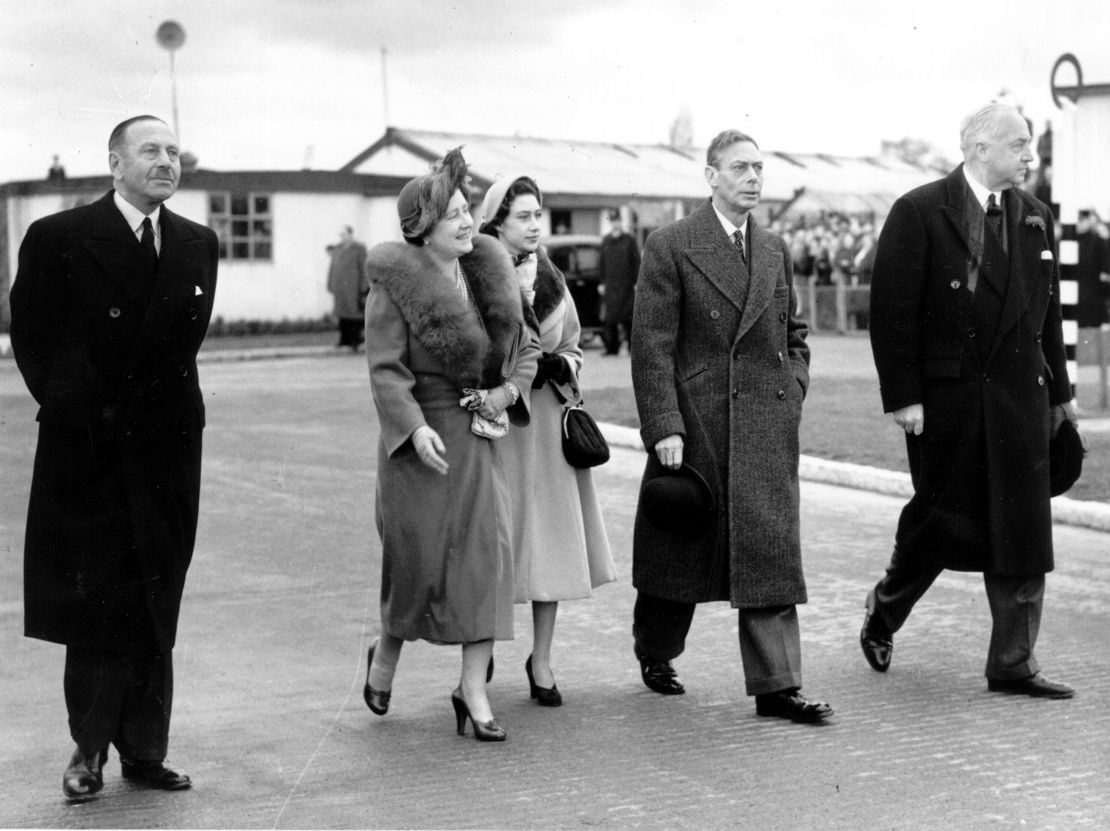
(1092, 273)
(620, 265)
(967, 337)
(109, 307)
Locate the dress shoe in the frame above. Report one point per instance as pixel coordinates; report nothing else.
(155, 775)
(1036, 686)
(876, 641)
(793, 705)
(659, 676)
(489, 731)
(545, 696)
(84, 775)
(376, 700)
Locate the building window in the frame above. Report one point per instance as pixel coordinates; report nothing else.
(244, 225)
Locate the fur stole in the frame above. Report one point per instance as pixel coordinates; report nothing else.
(474, 349)
(550, 287)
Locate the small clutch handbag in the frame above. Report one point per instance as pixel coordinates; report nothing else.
(583, 444)
(495, 428)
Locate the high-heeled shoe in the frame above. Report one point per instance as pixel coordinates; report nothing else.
(545, 696)
(490, 731)
(376, 700)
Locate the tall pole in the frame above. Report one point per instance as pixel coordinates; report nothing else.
(171, 36)
(173, 94)
(385, 90)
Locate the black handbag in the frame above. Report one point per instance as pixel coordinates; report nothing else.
(583, 444)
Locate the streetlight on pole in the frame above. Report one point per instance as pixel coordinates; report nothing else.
(170, 37)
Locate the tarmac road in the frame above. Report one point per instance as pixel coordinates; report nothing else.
(282, 603)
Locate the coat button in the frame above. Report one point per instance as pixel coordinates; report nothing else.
(1040, 380)
(1037, 337)
(184, 371)
(971, 332)
(781, 394)
(736, 392)
(714, 314)
(782, 316)
(781, 358)
(955, 284)
(114, 312)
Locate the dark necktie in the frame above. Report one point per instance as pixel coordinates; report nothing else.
(150, 254)
(994, 217)
(738, 238)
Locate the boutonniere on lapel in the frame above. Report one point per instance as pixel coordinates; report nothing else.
(1034, 221)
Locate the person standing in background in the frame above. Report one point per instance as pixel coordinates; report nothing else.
(620, 266)
(348, 284)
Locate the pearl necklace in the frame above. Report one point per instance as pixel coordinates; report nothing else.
(460, 283)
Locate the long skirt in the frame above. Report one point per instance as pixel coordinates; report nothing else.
(447, 567)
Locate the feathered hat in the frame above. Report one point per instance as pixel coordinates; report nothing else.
(423, 200)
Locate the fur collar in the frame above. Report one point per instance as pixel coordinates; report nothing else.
(473, 349)
(550, 287)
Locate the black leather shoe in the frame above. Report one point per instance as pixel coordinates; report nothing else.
(877, 643)
(376, 700)
(1036, 686)
(659, 676)
(156, 775)
(84, 775)
(793, 705)
(545, 696)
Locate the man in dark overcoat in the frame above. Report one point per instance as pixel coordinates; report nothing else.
(620, 264)
(720, 367)
(967, 337)
(109, 307)
(349, 284)
(1092, 273)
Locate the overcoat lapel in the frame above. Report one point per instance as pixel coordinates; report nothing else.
(1023, 259)
(182, 255)
(713, 254)
(766, 265)
(955, 207)
(550, 288)
(114, 248)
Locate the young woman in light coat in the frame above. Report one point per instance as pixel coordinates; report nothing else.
(560, 548)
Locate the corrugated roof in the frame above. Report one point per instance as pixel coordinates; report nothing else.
(565, 166)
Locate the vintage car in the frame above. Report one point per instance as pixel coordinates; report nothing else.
(578, 256)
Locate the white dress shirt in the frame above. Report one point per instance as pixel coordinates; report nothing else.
(135, 219)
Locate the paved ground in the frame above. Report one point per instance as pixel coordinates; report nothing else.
(282, 603)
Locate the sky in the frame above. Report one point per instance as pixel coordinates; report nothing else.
(290, 84)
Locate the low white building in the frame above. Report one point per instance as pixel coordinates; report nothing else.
(275, 226)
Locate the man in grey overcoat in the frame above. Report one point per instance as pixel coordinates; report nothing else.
(109, 307)
(967, 337)
(720, 368)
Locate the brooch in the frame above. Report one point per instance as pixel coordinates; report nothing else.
(1035, 221)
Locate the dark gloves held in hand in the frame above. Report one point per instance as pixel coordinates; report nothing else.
(552, 367)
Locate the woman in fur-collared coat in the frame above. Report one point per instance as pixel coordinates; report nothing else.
(560, 548)
(444, 318)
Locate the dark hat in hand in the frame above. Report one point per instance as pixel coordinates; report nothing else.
(679, 502)
(1065, 458)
